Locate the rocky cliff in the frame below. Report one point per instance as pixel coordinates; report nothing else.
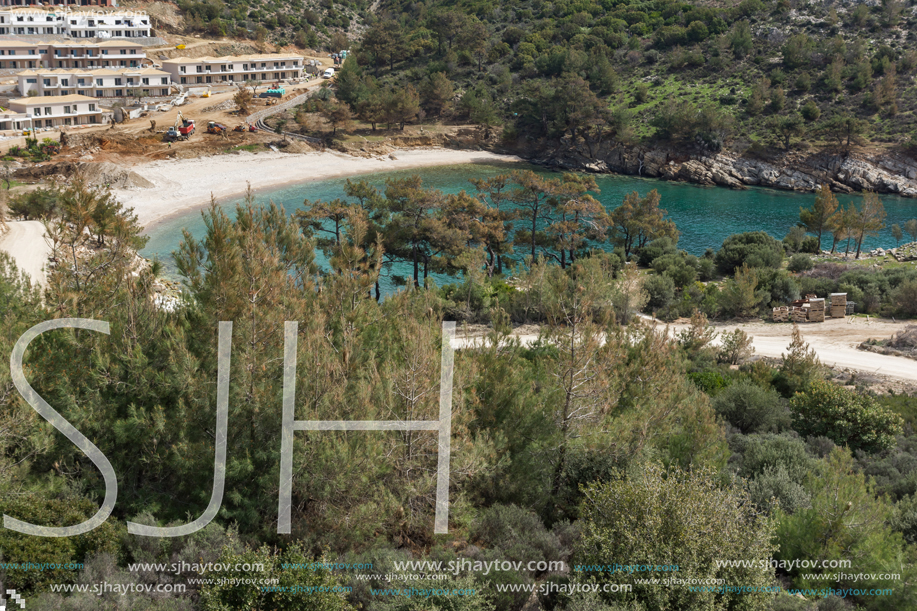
(890, 172)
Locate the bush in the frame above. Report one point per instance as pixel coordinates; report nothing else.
(676, 267)
(656, 249)
(675, 517)
(709, 381)
(760, 452)
(517, 533)
(661, 291)
(810, 245)
(904, 298)
(800, 263)
(755, 248)
(777, 484)
(845, 417)
(752, 409)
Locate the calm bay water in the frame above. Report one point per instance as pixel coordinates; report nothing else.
(704, 215)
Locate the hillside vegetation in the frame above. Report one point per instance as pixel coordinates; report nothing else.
(779, 74)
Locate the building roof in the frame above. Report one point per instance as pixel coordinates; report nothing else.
(53, 99)
(232, 58)
(19, 43)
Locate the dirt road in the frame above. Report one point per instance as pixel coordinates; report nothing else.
(834, 341)
(26, 244)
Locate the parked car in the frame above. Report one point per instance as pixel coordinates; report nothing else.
(328, 73)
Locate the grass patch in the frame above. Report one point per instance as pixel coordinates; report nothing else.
(250, 148)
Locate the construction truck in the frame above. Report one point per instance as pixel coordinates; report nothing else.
(182, 130)
(216, 128)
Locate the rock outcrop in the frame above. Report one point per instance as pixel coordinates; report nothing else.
(794, 171)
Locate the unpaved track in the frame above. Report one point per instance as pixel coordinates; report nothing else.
(835, 342)
(25, 242)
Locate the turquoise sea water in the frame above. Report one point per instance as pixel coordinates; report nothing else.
(704, 215)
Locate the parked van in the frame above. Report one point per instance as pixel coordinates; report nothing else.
(328, 73)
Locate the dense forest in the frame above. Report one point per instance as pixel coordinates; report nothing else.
(608, 440)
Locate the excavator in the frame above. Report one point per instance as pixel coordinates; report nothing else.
(182, 130)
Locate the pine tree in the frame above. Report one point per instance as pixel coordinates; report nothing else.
(817, 218)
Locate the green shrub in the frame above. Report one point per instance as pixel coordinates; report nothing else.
(845, 417)
(661, 291)
(517, 533)
(755, 248)
(800, 263)
(676, 517)
(656, 249)
(710, 381)
(760, 452)
(752, 409)
(37, 509)
(776, 484)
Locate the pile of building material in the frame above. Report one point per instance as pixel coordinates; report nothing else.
(816, 309)
(810, 309)
(838, 305)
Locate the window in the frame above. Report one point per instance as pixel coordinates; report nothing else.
(64, 92)
(98, 94)
(117, 82)
(145, 81)
(47, 110)
(182, 69)
(200, 79)
(183, 81)
(123, 51)
(98, 82)
(104, 51)
(81, 92)
(119, 93)
(31, 81)
(31, 51)
(65, 82)
(200, 68)
(92, 108)
(244, 67)
(37, 112)
(165, 80)
(47, 82)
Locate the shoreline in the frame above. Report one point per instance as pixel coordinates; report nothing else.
(186, 185)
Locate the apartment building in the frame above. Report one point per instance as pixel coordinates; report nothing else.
(20, 55)
(99, 83)
(51, 112)
(83, 22)
(238, 69)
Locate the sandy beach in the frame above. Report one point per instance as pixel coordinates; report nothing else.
(187, 184)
